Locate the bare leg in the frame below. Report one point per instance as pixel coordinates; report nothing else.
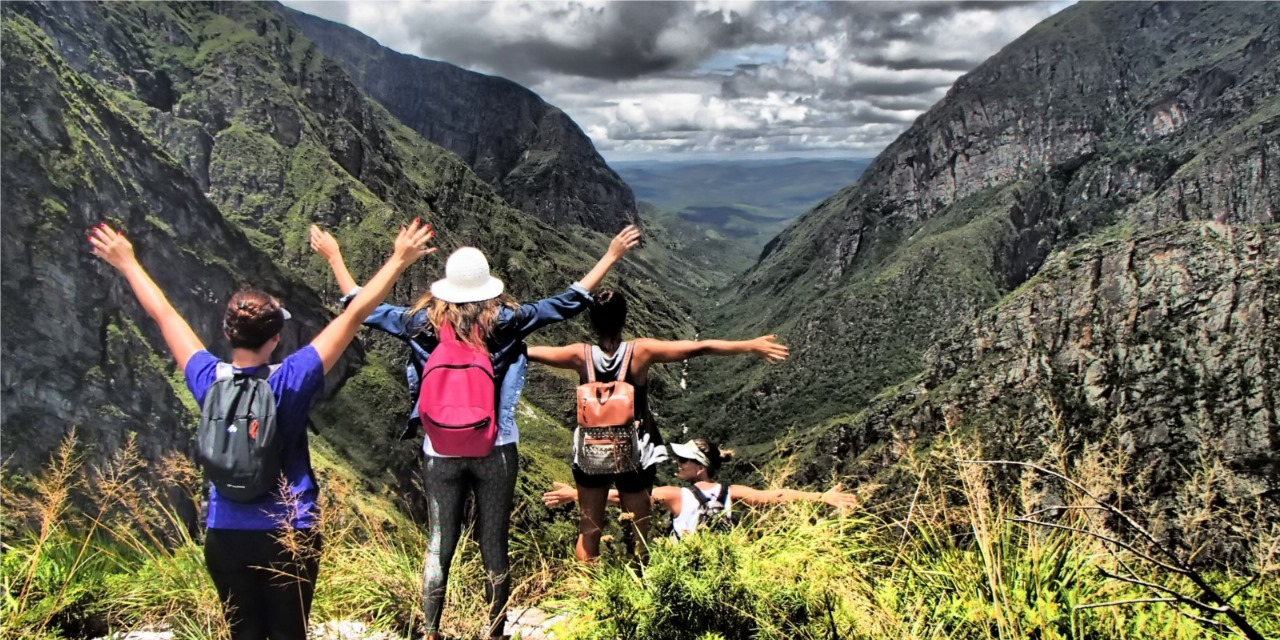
(640, 505)
(591, 504)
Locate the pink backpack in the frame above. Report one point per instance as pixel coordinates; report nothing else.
(457, 401)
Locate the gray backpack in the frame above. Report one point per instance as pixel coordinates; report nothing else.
(238, 443)
(712, 512)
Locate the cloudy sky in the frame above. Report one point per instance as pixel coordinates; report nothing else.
(712, 78)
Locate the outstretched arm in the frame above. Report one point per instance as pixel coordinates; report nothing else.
(566, 357)
(410, 246)
(755, 497)
(663, 497)
(650, 351)
(115, 249)
(326, 245)
(625, 241)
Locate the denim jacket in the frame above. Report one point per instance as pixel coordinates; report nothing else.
(506, 347)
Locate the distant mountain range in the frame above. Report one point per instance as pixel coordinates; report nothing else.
(732, 208)
(529, 151)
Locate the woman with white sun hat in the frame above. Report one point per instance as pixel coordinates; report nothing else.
(469, 306)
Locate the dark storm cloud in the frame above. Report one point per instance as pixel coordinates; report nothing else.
(621, 40)
(717, 75)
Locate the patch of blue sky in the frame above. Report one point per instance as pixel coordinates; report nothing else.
(723, 62)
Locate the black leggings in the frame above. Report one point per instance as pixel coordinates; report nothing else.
(493, 481)
(265, 590)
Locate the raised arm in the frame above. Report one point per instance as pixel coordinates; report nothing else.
(115, 249)
(755, 497)
(625, 241)
(410, 246)
(649, 351)
(566, 357)
(326, 245)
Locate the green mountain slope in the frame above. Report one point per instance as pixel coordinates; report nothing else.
(532, 154)
(1105, 116)
(1159, 349)
(215, 134)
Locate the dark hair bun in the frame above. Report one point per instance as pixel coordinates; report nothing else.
(252, 318)
(608, 313)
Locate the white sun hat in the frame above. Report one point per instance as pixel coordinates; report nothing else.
(466, 278)
(690, 451)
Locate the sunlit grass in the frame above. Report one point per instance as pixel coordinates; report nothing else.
(92, 550)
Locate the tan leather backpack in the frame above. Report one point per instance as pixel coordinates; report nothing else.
(606, 404)
(606, 439)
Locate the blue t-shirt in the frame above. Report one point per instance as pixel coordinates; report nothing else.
(294, 385)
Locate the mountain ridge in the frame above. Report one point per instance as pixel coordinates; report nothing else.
(532, 153)
(226, 135)
(1032, 161)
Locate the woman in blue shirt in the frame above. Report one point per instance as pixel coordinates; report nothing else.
(472, 301)
(265, 587)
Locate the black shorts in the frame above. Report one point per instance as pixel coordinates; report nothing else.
(629, 482)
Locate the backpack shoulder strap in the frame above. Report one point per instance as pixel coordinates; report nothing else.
(628, 348)
(699, 495)
(224, 371)
(227, 371)
(590, 364)
(445, 332)
(724, 496)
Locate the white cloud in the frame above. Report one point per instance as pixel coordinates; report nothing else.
(660, 77)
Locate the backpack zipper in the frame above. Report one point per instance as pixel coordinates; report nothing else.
(473, 425)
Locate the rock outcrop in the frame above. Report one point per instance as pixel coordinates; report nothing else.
(533, 154)
(1161, 350)
(1124, 117)
(215, 134)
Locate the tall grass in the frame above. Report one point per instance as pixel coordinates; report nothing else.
(92, 550)
(954, 564)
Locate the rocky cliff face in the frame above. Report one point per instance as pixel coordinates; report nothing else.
(78, 350)
(1119, 116)
(529, 151)
(1161, 349)
(214, 134)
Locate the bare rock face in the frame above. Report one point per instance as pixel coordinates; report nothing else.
(1120, 117)
(537, 158)
(214, 134)
(1163, 349)
(79, 351)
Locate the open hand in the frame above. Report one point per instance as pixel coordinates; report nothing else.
(839, 499)
(112, 246)
(562, 494)
(770, 349)
(324, 243)
(411, 243)
(626, 240)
